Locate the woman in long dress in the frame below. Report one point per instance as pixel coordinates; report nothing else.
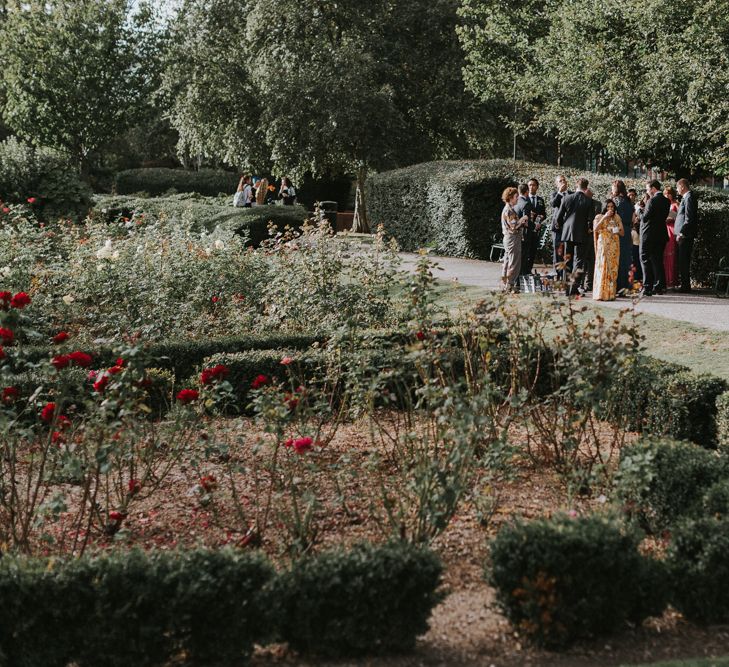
(608, 228)
(624, 209)
(511, 226)
(670, 254)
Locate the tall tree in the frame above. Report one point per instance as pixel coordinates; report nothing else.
(322, 87)
(76, 73)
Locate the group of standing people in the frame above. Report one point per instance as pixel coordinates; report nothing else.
(259, 192)
(603, 247)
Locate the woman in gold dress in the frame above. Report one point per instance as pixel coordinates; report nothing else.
(607, 228)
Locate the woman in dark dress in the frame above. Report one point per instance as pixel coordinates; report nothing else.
(624, 209)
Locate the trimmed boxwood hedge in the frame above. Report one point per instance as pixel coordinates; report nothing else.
(662, 481)
(699, 570)
(149, 608)
(158, 181)
(722, 422)
(455, 207)
(562, 579)
(206, 213)
(663, 398)
(370, 600)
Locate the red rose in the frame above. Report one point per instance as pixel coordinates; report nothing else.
(63, 422)
(214, 374)
(420, 335)
(60, 337)
(32, 200)
(208, 483)
(135, 486)
(187, 396)
(46, 415)
(302, 445)
(114, 370)
(60, 361)
(57, 438)
(289, 443)
(101, 383)
(6, 336)
(119, 362)
(215, 299)
(20, 300)
(6, 209)
(116, 517)
(80, 359)
(10, 394)
(260, 381)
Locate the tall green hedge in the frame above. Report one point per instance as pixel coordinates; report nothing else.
(206, 213)
(455, 206)
(158, 181)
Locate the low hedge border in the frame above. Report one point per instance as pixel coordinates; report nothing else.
(159, 180)
(206, 213)
(148, 608)
(563, 579)
(662, 481)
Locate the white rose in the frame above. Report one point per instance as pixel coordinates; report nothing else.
(219, 245)
(115, 255)
(68, 299)
(105, 251)
(5, 271)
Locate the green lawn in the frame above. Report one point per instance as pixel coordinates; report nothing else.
(702, 350)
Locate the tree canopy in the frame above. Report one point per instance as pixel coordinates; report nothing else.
(76, 73)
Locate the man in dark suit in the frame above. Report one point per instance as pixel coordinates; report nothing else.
(685, 228)
(653, 239)
(589, 247)
(575, 213)
(537, 214)
(555, 202)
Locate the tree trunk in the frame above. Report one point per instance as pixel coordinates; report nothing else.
(361, 223)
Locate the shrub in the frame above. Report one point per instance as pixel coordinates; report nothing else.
(722, 421)
(700, 570)
(716, 500)
(158, 181)
(562, 579)
(661, 481)
(132, 608)
(370, 600)
(206, 213)
(456, 206)
(662, 398)
(28, 172)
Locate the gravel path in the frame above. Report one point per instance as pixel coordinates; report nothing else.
(701, 309)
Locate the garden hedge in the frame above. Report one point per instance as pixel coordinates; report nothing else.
(663, 398)
(455, 207)
(662, 481)
(370, 600)
(206, 213)
(699, 570)
(562, 579)
(722, 421)
(150, 608)
(159, 181)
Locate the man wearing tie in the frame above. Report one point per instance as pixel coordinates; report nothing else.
(653, 239)
(537, 214)
(685, 228)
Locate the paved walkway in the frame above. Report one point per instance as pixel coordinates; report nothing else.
(702, 309)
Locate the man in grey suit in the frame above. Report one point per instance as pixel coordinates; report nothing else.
(653, 239)
(555, 202)
(686, 227)
(573, 218)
